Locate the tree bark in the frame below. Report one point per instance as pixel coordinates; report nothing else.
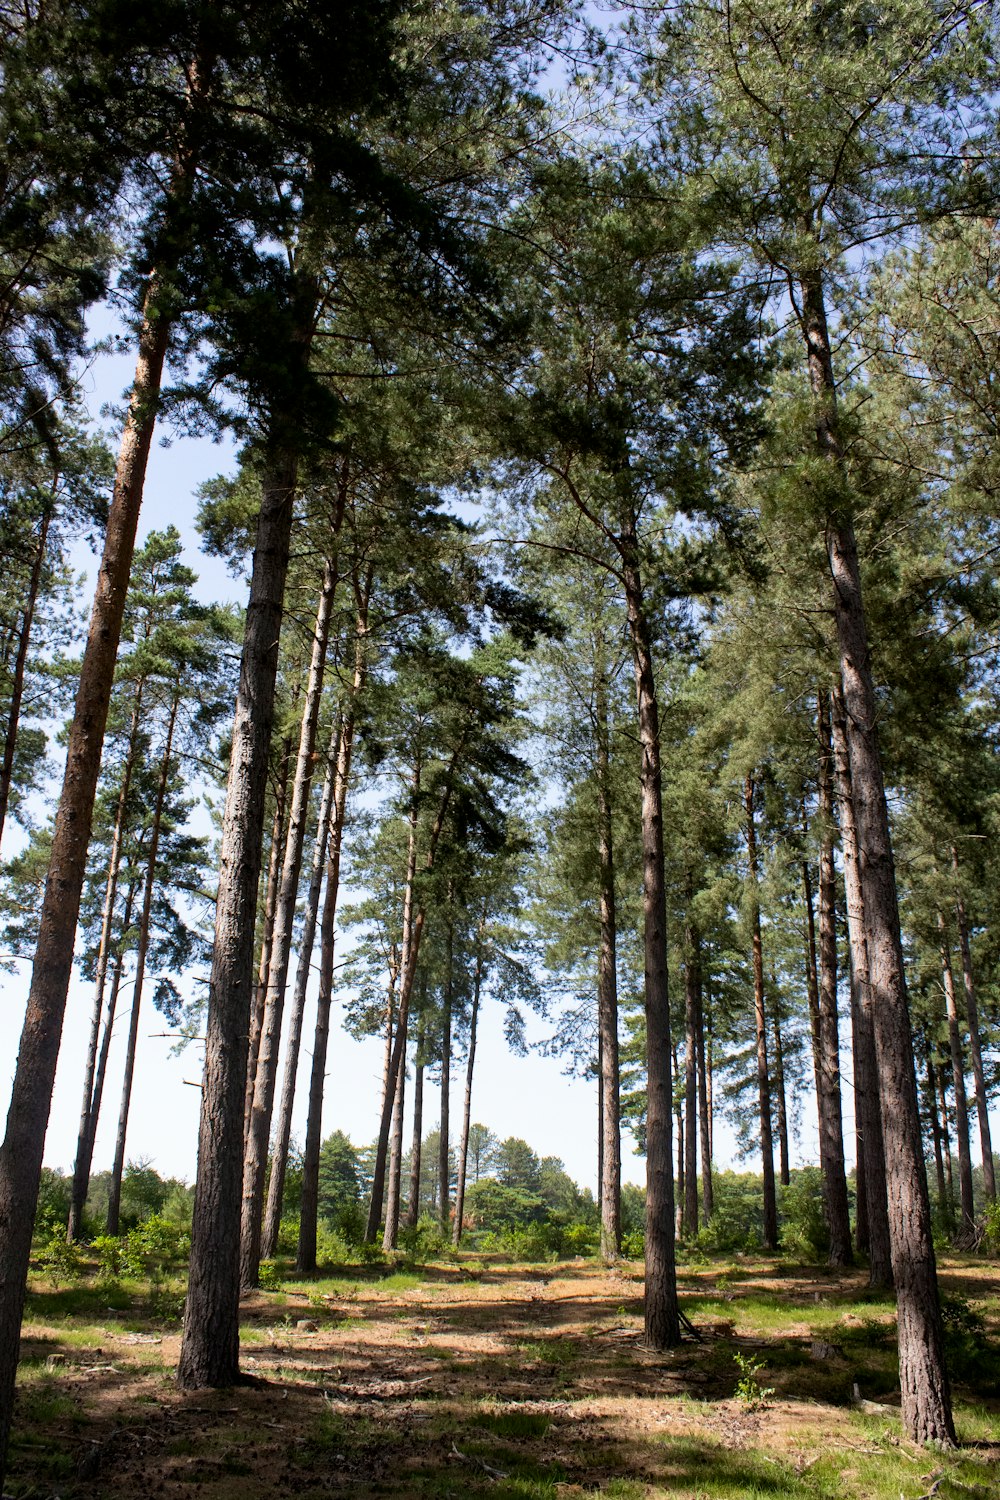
(609, 1087)
(394, 1184)
(444, 1199)
(416, 1139)
(831, 1125)
(145, 924)
(270, 901)
(975, 1041)
(760, 1024)
(88, 1124)
(309, 1212)
(31, 1096)
(931, 1104)
(255, 1162)
(463, 1149)
(690, 1077)
(662, 1316)
(21, 662)
(210, 1346)
(926, 1403)
(958, 1084)
(784, 1164)
(279, 1159)
(866, 1085)
(704, 1092)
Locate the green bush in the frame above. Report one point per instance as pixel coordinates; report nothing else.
(802, 1216)
(61, 1261)
(269, 1277)
(991, 1229)
(331, 1248)
(634, 1244)
(424, 1240)
(737, 1222)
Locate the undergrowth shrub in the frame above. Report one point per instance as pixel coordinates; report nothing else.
(803, 1226)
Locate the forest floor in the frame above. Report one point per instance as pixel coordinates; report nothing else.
(481, 1378)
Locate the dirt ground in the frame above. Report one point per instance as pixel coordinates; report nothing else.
(481, 1378)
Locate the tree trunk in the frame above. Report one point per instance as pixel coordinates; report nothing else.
(958, 1085)
(463, 1149)
(31, 1096)
(88, 1124)
(867, 1104)
(831, 1125)
(690, 1078)
(21, 662)
(444, 1174)
(416, 1140)
(662, 1316)
(279, 1159)
(704, 1092)
(255, 1163)
(975, 1043)
(609, 1087)
(270, 901)
(390, 1235)
(926, 1403)
(784, 1164)
(210, 1346)
(145, 923)
(760, 1023)
(309, 1212)
(931, 1104)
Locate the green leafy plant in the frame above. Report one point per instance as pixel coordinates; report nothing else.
(269, 1277)
(748, 1388)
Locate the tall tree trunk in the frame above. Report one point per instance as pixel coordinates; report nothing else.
(270, 902)
(662, 1315)
(690, 1077)
(145, 924)
(941, 1077)
(760, 1024)
(255, 1163)
(21, 661)
(444, 1174)
(930, 1103)
(831, 1125)
(88, 1125)
(283, 1136)
(394, 1185)
(31, 1096)
(463, 1149)
(926, 1405)
(867, 1103)
(861, 1233)
(210, 1346)
(784, 1164)
(704, 1090)
(609, 1086)
(958, 1084)
(416, 1139)
(309, 1212)
(975, 1042)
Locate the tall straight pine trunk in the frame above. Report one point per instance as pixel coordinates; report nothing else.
(610, 1166)
(975, 1040)
(211, 1339)
(926, 1402)
(958, 1083)
(662, 1313)
(831, 1125)
(760, 1024)
(463, 1147)
(270, 902)
(21, 661)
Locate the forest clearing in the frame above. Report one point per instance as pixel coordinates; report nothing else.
(574, 655)
(477, 1376)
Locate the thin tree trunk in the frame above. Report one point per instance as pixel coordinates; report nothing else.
(867, 1103)
(831, 1124)
(704, 1090)
(941, 1076)
(930, 1102)
(760, 1022)
(444, 1200)
(679, 1197)
(662, 1315)
(255, 1162)
(975, 1042)
(309, 1212)
(958, 1084)
(609, 1086)
(88, 1125)
(31, 1096)
(145, 924)
(21, 662)
(270, 901)
(210, 1346)
(861, 1233)
(784, 1165)
(395, 1180)
(463, 1149)
(926, 1403)
(416, 1139)
(279, 1160)
(690, 1078)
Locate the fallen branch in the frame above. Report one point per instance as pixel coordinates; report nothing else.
(481, 1463)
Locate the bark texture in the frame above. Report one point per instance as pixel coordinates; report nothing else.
(760, 1024)
(958, 1085)
(609, 1178)
(975, 1041)
(831, 1125)
(210, 1346)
